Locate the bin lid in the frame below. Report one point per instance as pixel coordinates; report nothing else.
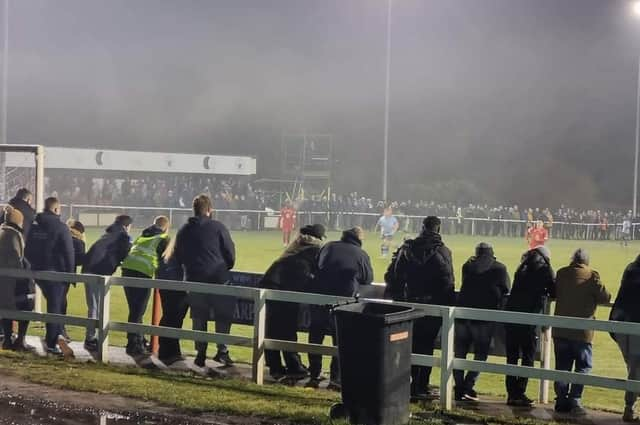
(387, 312)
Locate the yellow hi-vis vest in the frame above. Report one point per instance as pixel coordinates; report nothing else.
(143, 256)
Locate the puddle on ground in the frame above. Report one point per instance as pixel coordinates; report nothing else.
(19, 411)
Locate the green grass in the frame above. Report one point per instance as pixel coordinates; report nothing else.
(255, 251)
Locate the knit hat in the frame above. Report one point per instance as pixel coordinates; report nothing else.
(484, 248)
(581, 256)
(544, 251)
(316, 230)
(13, 216)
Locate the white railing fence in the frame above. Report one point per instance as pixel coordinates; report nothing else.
(447, 362)
(251, 219)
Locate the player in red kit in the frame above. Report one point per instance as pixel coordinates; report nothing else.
(287, 222)
(537, 235)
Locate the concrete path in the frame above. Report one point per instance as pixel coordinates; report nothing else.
(488, 406)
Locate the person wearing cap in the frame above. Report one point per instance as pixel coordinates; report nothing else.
(485, 284)
(578, 293)
(293, 271)
(12, 257)
(533, 284)
(421, 271)
(342, 267)
(625, 309)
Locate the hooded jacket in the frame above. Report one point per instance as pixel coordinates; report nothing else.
(533, 281)
(421, 270)
(625, 308)
(149, 232)
(49, 245)
(106, 254)
(11, 257)
(296, 268)
(28, 213)
(485, 283)
(205, 250)
(578, 293)
(343, 266)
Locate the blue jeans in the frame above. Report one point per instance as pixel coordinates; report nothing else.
(476, 334)
(571, 356)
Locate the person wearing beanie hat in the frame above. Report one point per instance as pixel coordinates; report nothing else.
(579, 291)
(11, 257)
(293, 271)
(318, 231)
(485, 284)
(343, 266)
(421, 271)
(533, 283)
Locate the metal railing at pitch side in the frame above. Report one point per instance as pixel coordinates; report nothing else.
(258, 343)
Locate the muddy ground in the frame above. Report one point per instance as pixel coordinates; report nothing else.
(33, 404)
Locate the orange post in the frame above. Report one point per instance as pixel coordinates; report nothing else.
(155, 320)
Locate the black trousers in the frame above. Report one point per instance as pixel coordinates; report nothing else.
(322, 325)
(282, 323)
(54, 293)
(137, 299)
(521, 342)
(174, 310)
(425, 332)
(476, 334)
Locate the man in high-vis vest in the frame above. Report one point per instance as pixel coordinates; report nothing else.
(142, 262)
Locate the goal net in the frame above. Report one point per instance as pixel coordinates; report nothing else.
(22, 166)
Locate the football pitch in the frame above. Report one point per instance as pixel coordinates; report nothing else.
(256, 251)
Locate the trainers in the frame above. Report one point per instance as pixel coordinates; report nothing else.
(334, 386)
(23, 347)
(522, 401)
(297, 374)
(223, 358)
(470, 395)
(200, 359)
(578, 411)
(173, 359)
(91, 345)
(314, 382)
(55, 351)
(136, 351)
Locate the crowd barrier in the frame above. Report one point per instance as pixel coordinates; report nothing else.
(258, 343)
(251, 219)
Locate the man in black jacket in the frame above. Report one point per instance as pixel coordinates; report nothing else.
(485, 284)
(533, 282)
(206, 252)
(295, 270)
(104, 258)
(421, 271)
(625, 309)
(49, 247)
(22, 202)
(342, 267)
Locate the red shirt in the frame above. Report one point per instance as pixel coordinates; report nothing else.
(537, 237)
(287, 219)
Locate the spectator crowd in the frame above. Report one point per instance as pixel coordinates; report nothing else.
(421, 271)
(337, 211)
